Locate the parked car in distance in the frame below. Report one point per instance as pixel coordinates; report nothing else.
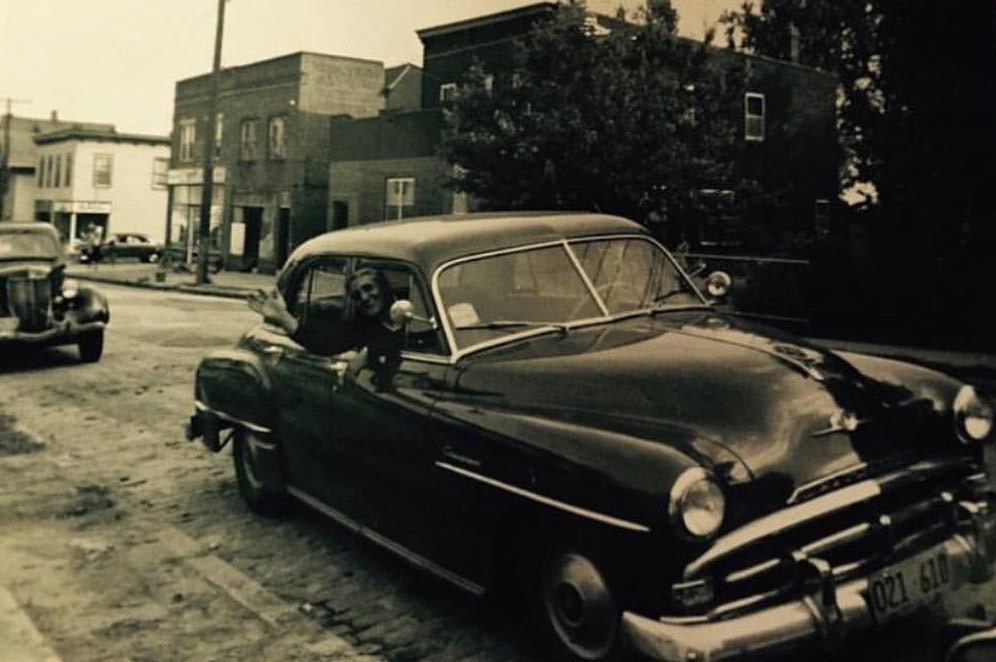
(38, 304)
(122, 246)
(570, 415)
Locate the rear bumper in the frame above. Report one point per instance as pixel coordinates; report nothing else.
(817, 621)
(64, 332)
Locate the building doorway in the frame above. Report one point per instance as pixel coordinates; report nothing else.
(253, 219)
(283, 236)
(340, 214)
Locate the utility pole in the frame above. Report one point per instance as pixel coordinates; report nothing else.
(207, 190)
(5, 155)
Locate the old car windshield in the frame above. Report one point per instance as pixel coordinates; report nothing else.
(27, 244)
(516, 291)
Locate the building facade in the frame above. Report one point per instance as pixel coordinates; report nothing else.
(379, 171)
(89, 178)
(272, 150)
(19, 159)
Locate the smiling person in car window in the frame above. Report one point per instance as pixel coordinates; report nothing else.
(370, 331)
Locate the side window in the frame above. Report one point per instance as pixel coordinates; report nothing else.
(420, 336)
(319, 299)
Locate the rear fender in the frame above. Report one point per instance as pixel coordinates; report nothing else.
(232, 388)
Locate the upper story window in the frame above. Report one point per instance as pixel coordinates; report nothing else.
(188, 135)
(49, 168)
(68, 181)
(400, 194)
(160, 166)
(248, 140)
(754, 116)
(102, 170)
(447, 92)
(277, 137)
(219, 132)
(57, 175)
(41, 172)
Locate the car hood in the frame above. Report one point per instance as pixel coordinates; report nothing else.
(792, 412)
(37, 267)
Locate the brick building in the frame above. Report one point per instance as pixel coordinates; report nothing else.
(381, 170)
(272, 152)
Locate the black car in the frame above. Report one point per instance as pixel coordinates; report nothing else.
(122, 246)
(571, 416)
(38, 304)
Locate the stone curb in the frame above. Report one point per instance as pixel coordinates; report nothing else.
(188, 288)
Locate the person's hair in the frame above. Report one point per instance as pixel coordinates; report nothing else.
(386, 296)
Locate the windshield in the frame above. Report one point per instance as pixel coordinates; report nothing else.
(489, 297)
(25, 243)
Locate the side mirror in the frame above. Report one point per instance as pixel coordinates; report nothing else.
(718, 284)
(402, 311)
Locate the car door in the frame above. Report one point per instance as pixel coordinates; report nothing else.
(382, 425)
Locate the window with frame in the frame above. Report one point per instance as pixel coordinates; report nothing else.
(219, 132)
(102, 165)
(57, 175)
(754, 112)
(447, 92)
(68, 181)
(188, 136)
(49, 169)
(41, 172)
(248, 138)
(276, 131)
(400, 195)
(160, 168)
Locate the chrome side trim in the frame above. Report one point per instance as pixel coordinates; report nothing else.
(385, 542)
(238, 421)
(547, 501)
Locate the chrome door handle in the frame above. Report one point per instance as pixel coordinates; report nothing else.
(276, 351)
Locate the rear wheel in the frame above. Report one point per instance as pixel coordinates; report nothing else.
(578, 614)
(251, 452)
(91, 346)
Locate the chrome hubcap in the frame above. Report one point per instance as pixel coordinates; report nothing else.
(579, 606)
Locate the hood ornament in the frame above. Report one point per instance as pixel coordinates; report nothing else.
(841, 421)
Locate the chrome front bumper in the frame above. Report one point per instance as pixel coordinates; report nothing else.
(66, 331)
(817, 621)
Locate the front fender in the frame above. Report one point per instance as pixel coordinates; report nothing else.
(232, 385)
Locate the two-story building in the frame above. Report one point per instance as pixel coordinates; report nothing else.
(20, 158)
(272, 149)
(385, 167)
(103, 179)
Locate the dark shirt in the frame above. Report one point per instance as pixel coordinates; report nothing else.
(383, 345)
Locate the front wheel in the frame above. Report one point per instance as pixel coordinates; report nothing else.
(255, 457)
(578, 613)
(91, 346)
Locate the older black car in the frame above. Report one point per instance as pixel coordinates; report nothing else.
(122, 246)
(38, 304)
(568, 414)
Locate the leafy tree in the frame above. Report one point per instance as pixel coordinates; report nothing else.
(623, 122)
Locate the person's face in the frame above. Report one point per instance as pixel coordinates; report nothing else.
(367, 296)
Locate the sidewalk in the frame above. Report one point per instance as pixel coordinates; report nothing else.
(974, 367)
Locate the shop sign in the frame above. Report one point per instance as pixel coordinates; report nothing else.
(194, 176)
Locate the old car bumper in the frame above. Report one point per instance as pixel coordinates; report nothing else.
(817, 621)
(65, 331)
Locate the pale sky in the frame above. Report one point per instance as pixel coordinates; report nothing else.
(117, 61)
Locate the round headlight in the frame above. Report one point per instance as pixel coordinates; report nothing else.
(973, 417)
(70, 288)
(697, 503)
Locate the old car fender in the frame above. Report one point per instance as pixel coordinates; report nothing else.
(91, 305)
(232, 387)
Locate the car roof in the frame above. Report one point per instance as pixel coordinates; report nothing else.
(430, 241)
(31, 226)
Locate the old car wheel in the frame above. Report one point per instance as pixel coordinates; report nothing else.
(250, 465)
(91, 346)
(152, 257)
(577, 608)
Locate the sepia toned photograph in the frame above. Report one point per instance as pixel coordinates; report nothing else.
(497, 331)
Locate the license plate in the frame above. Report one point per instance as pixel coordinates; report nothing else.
(902, 588)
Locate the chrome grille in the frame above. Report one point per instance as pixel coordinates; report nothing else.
(30, 300)
(855, 530)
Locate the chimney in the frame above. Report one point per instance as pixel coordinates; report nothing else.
(55, 116)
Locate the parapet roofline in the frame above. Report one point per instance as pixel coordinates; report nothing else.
(286, 56)
(477, 21)
(63, 135)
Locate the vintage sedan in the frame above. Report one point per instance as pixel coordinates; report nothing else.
(123, 246)
(38, 304)
(570, 415)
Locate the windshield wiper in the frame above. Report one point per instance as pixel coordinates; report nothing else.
(510, 324)
(657, 305)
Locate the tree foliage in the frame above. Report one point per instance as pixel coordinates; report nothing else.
(620, 122)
